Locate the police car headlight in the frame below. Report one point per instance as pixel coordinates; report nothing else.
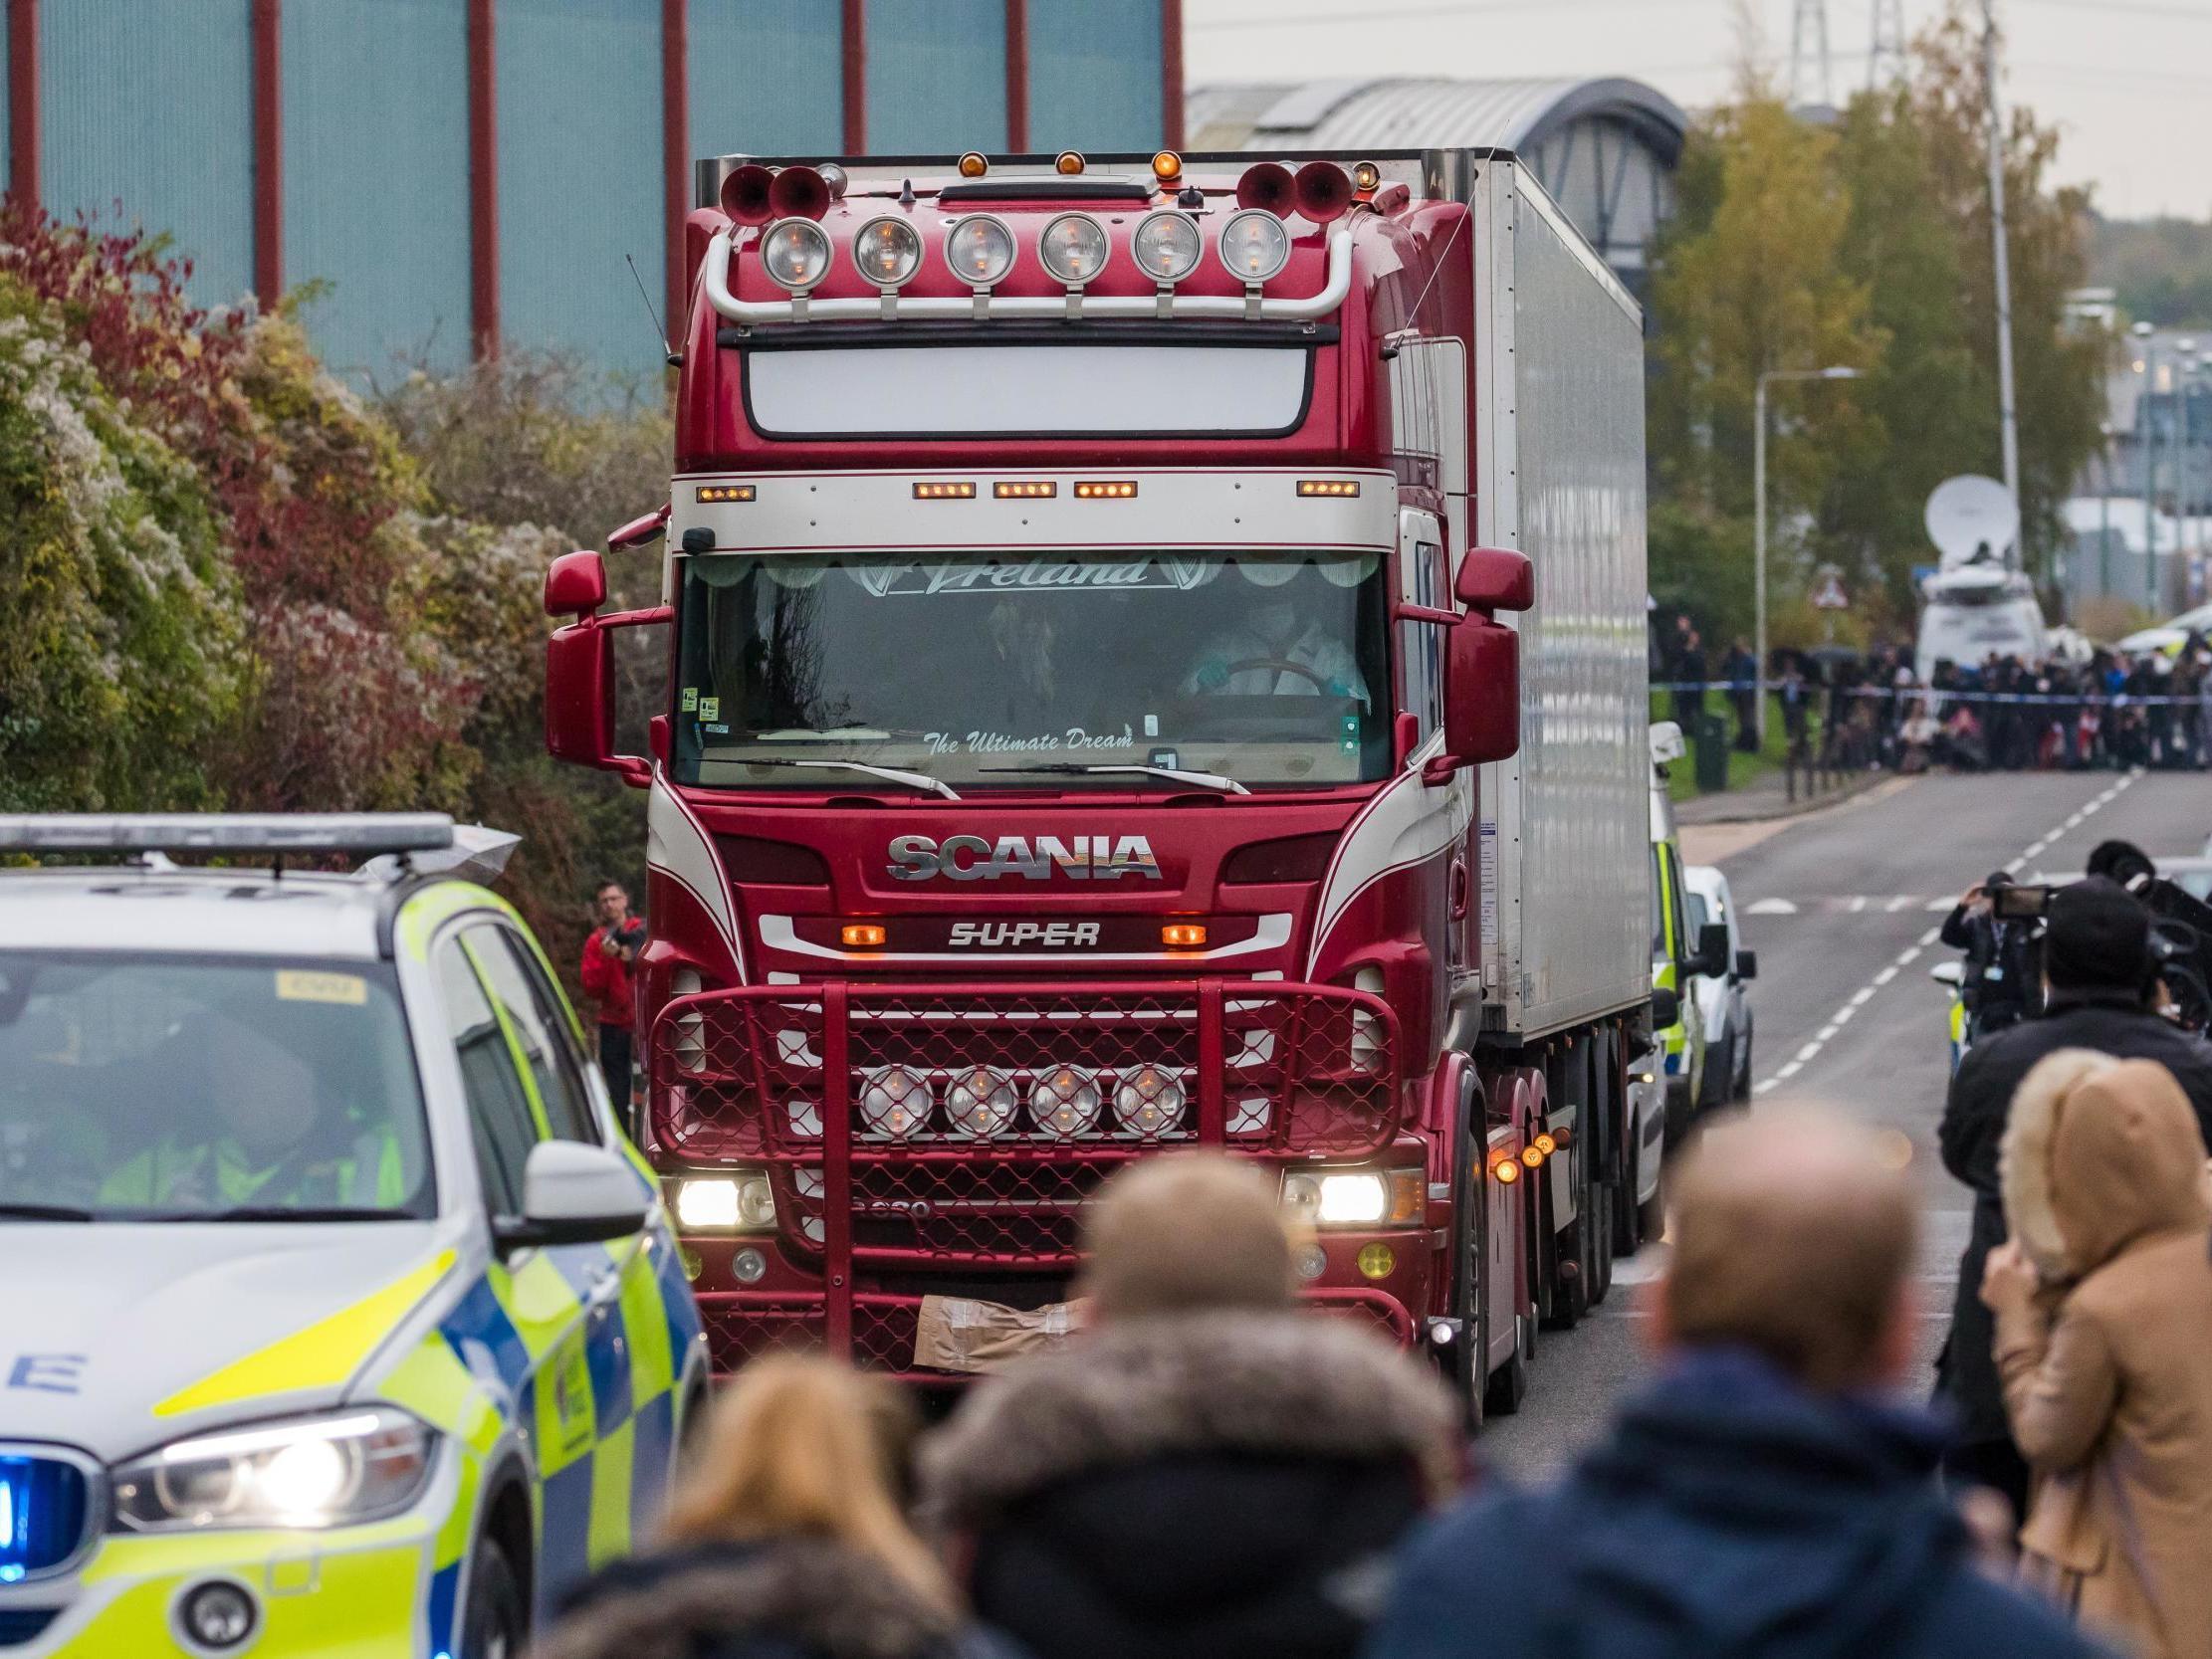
(744, 1203)
(331, 1470)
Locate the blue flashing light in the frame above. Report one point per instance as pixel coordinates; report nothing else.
(42, 1514)
(10, 1574)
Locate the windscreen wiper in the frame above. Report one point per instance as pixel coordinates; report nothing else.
(286, 1212)
(44, 1212)
(1073, 769)
(890, 774)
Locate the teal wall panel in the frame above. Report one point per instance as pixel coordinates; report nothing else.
(1095, 75)
(936, 75)
(766, 76)
(150, 102)
(580, 117)
(377, 180)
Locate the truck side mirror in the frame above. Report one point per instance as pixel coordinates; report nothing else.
(577, 586)
(580, 688)
(1481, 697)
(1496, 579)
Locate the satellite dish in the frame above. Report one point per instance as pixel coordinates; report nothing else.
(1973, 520)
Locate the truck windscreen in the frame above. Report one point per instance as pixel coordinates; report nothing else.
(1267, 668)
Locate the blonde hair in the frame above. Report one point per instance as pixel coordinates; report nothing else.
(797, 1447)
(1790, 1235)
(1187, 1233)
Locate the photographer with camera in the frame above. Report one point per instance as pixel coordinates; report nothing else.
(607, 955)
(2100, 978)
(2000, 978)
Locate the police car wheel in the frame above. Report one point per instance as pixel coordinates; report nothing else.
(497, 1624)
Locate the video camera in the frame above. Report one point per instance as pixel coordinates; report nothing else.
(2180, 925)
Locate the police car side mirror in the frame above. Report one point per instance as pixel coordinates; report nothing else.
(1747, 964)
(1666, 1008)
(577, 1194)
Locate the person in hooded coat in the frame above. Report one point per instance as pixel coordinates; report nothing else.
(784, 1541)
(2103, 1308)
(1766, 1497)
(1209, 1473)
(2097, 962)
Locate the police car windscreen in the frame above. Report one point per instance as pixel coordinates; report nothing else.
(150, 1088)
(1268, 668)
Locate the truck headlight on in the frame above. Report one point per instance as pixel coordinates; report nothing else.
(1065, 1102)
(330, 1470)
(894, 1102)
(744, 1203)
(796, 254)
(1254, 246)
(981, 1103)
(887, 250)
(1073, 248)
(979, 249)
(1167, 246)
(1148, 1101)
(1355, 1197)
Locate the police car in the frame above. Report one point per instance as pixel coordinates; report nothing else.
(338, 1316)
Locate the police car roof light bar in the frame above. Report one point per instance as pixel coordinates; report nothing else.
(226, 832)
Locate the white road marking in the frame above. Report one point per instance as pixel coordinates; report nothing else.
(1905, 958)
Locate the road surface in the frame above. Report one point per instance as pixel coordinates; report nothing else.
(1842, 907)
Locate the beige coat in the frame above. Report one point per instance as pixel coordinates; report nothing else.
(2108, 1376)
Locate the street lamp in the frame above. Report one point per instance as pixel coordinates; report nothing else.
(1759, 528)
(2146, 433)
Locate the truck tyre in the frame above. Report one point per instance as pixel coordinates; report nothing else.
(494, 1624)
(1509, 1384)
(1564, 1265)
(1596, 1231)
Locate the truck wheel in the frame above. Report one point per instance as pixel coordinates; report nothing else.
(1597, 1229)
(1563, 1263)
(1509, 1384)
(495, 1624)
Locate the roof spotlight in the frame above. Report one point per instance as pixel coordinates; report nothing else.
(1254, 246)
(1073, 248)
(979, 250)
(796, 254)
(887, 250)
(1167, 246)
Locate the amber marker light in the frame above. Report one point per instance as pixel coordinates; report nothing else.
(1546, 1145)
(1507, 1172)
(724, 492)
(944, 491)
(973, 165)
(1183, 935)
(1025, 490)
(1067, 163)
(1532, 1157)
(1366, 177)
(1106, 490)
(1167, 166)
(1328, 487)
(862, 935)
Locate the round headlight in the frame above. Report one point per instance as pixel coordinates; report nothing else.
(981, 1103)
(218, 1615)
(887, 252)
(981, 250)
(1073, 248)
(1148, 1101)
(1167, 246)
(755, 1203)
(895, 1101)
(1301, 1195)
(795, 253)
(1065, 1102)
(1254, 246)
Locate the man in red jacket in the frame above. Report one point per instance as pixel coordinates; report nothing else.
(607, 955)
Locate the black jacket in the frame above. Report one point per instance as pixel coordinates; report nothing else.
(793, 1598)
(1192, 1487)
(1974, 1125)
(1729, 1514)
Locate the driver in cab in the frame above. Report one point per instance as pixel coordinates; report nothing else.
(276, 1140)
(1278, 650)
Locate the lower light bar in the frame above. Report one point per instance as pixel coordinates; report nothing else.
(226, 832)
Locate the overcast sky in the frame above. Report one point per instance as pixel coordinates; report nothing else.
(2127, 82)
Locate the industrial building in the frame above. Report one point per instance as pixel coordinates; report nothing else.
(465, 173)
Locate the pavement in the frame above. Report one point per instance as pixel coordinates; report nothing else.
(1841, 907)
(1771, 799)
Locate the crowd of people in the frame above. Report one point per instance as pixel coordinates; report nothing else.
(1843, 709)
(1206, 1470)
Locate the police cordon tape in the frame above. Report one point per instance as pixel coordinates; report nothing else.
(1931, 694)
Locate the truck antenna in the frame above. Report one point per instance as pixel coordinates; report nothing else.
(659, 332)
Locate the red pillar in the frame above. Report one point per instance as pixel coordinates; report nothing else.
(1018, 76)
(483, 181)
(675, 156)
(23, 100)
(268, 49)
(1171, 74)
(855, 35)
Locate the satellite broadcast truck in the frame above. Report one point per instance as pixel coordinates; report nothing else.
(1157, 659)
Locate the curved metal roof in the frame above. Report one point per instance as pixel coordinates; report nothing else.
(1409, 113)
